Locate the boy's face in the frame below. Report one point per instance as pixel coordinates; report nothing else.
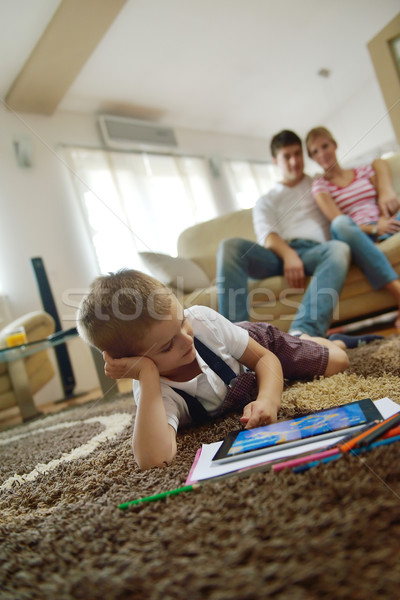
(290, 161)
(169, 342)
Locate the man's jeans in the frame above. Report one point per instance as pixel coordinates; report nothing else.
(372, 261)
(238, 260)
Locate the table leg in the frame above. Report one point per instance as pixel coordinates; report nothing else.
(106, 383)
(22, 390)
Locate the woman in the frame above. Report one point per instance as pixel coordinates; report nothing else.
(348, 198)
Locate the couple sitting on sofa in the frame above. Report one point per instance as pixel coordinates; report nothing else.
(307, 227)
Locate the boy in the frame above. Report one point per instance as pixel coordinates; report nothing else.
(145, 334)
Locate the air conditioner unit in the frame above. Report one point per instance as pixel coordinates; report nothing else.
(122, 133)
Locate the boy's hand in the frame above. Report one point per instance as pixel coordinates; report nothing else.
(130, 367)
(258, 413)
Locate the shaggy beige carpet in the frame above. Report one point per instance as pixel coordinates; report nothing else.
(329, 533)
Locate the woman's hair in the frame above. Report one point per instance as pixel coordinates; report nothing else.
(119, 309)
(317, 132)
(282, 139)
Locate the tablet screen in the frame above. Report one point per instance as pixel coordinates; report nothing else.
(299, 429)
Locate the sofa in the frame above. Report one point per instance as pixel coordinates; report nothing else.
(192, 274)
(39, 368)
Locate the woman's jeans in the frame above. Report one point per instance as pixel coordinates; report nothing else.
(238, 260)
(371, 260)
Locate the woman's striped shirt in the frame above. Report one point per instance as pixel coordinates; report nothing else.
(358, 199)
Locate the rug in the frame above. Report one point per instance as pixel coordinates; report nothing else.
(332, 532)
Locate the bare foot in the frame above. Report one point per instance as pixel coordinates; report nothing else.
(325, 342)
(339, 343)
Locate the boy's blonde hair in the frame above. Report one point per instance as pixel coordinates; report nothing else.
(118, 310)
(317, 132)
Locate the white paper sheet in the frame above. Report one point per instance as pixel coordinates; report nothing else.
(204, 469)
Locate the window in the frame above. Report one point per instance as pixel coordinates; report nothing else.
(249, 180)
(135, 202)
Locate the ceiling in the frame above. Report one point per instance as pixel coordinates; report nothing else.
(245, 67)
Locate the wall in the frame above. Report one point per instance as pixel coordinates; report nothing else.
(41, 217)
(362, 128)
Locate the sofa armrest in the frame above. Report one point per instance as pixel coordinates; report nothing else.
(394, 165)
(38, 325)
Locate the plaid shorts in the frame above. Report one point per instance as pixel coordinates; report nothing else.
(300, 359)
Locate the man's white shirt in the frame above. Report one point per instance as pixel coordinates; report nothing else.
(292, 213)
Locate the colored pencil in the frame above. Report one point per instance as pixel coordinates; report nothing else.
(392, 432)
(377, 444)
(379, 430)
(306, 467)
(328, 451)
(358, 431)
(354, 452)
(294, 462)
(155, 497)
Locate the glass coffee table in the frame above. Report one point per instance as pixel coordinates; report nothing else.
(14, 357)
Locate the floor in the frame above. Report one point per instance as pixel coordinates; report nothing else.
(11, 417)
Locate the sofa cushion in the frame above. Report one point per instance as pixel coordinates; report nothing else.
(200, 242)
(177, 272)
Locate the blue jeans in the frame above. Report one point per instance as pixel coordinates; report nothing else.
(372, 261)
(238, 260)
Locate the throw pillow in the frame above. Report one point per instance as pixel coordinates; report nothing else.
(178, 272)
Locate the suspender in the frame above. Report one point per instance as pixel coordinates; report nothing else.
(196, 409)
(215, 362)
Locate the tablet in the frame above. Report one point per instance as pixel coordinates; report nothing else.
(317, 426)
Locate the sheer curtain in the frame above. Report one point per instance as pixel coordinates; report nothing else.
(135, 202)
(249, 180)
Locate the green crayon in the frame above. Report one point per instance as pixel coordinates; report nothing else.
(186, 488)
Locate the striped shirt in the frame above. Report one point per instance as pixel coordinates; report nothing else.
(357, 200)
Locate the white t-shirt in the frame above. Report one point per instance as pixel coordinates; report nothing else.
(227, 341)
(292, 213)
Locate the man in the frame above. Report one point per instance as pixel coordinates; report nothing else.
(292, 237)
(294, 240)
